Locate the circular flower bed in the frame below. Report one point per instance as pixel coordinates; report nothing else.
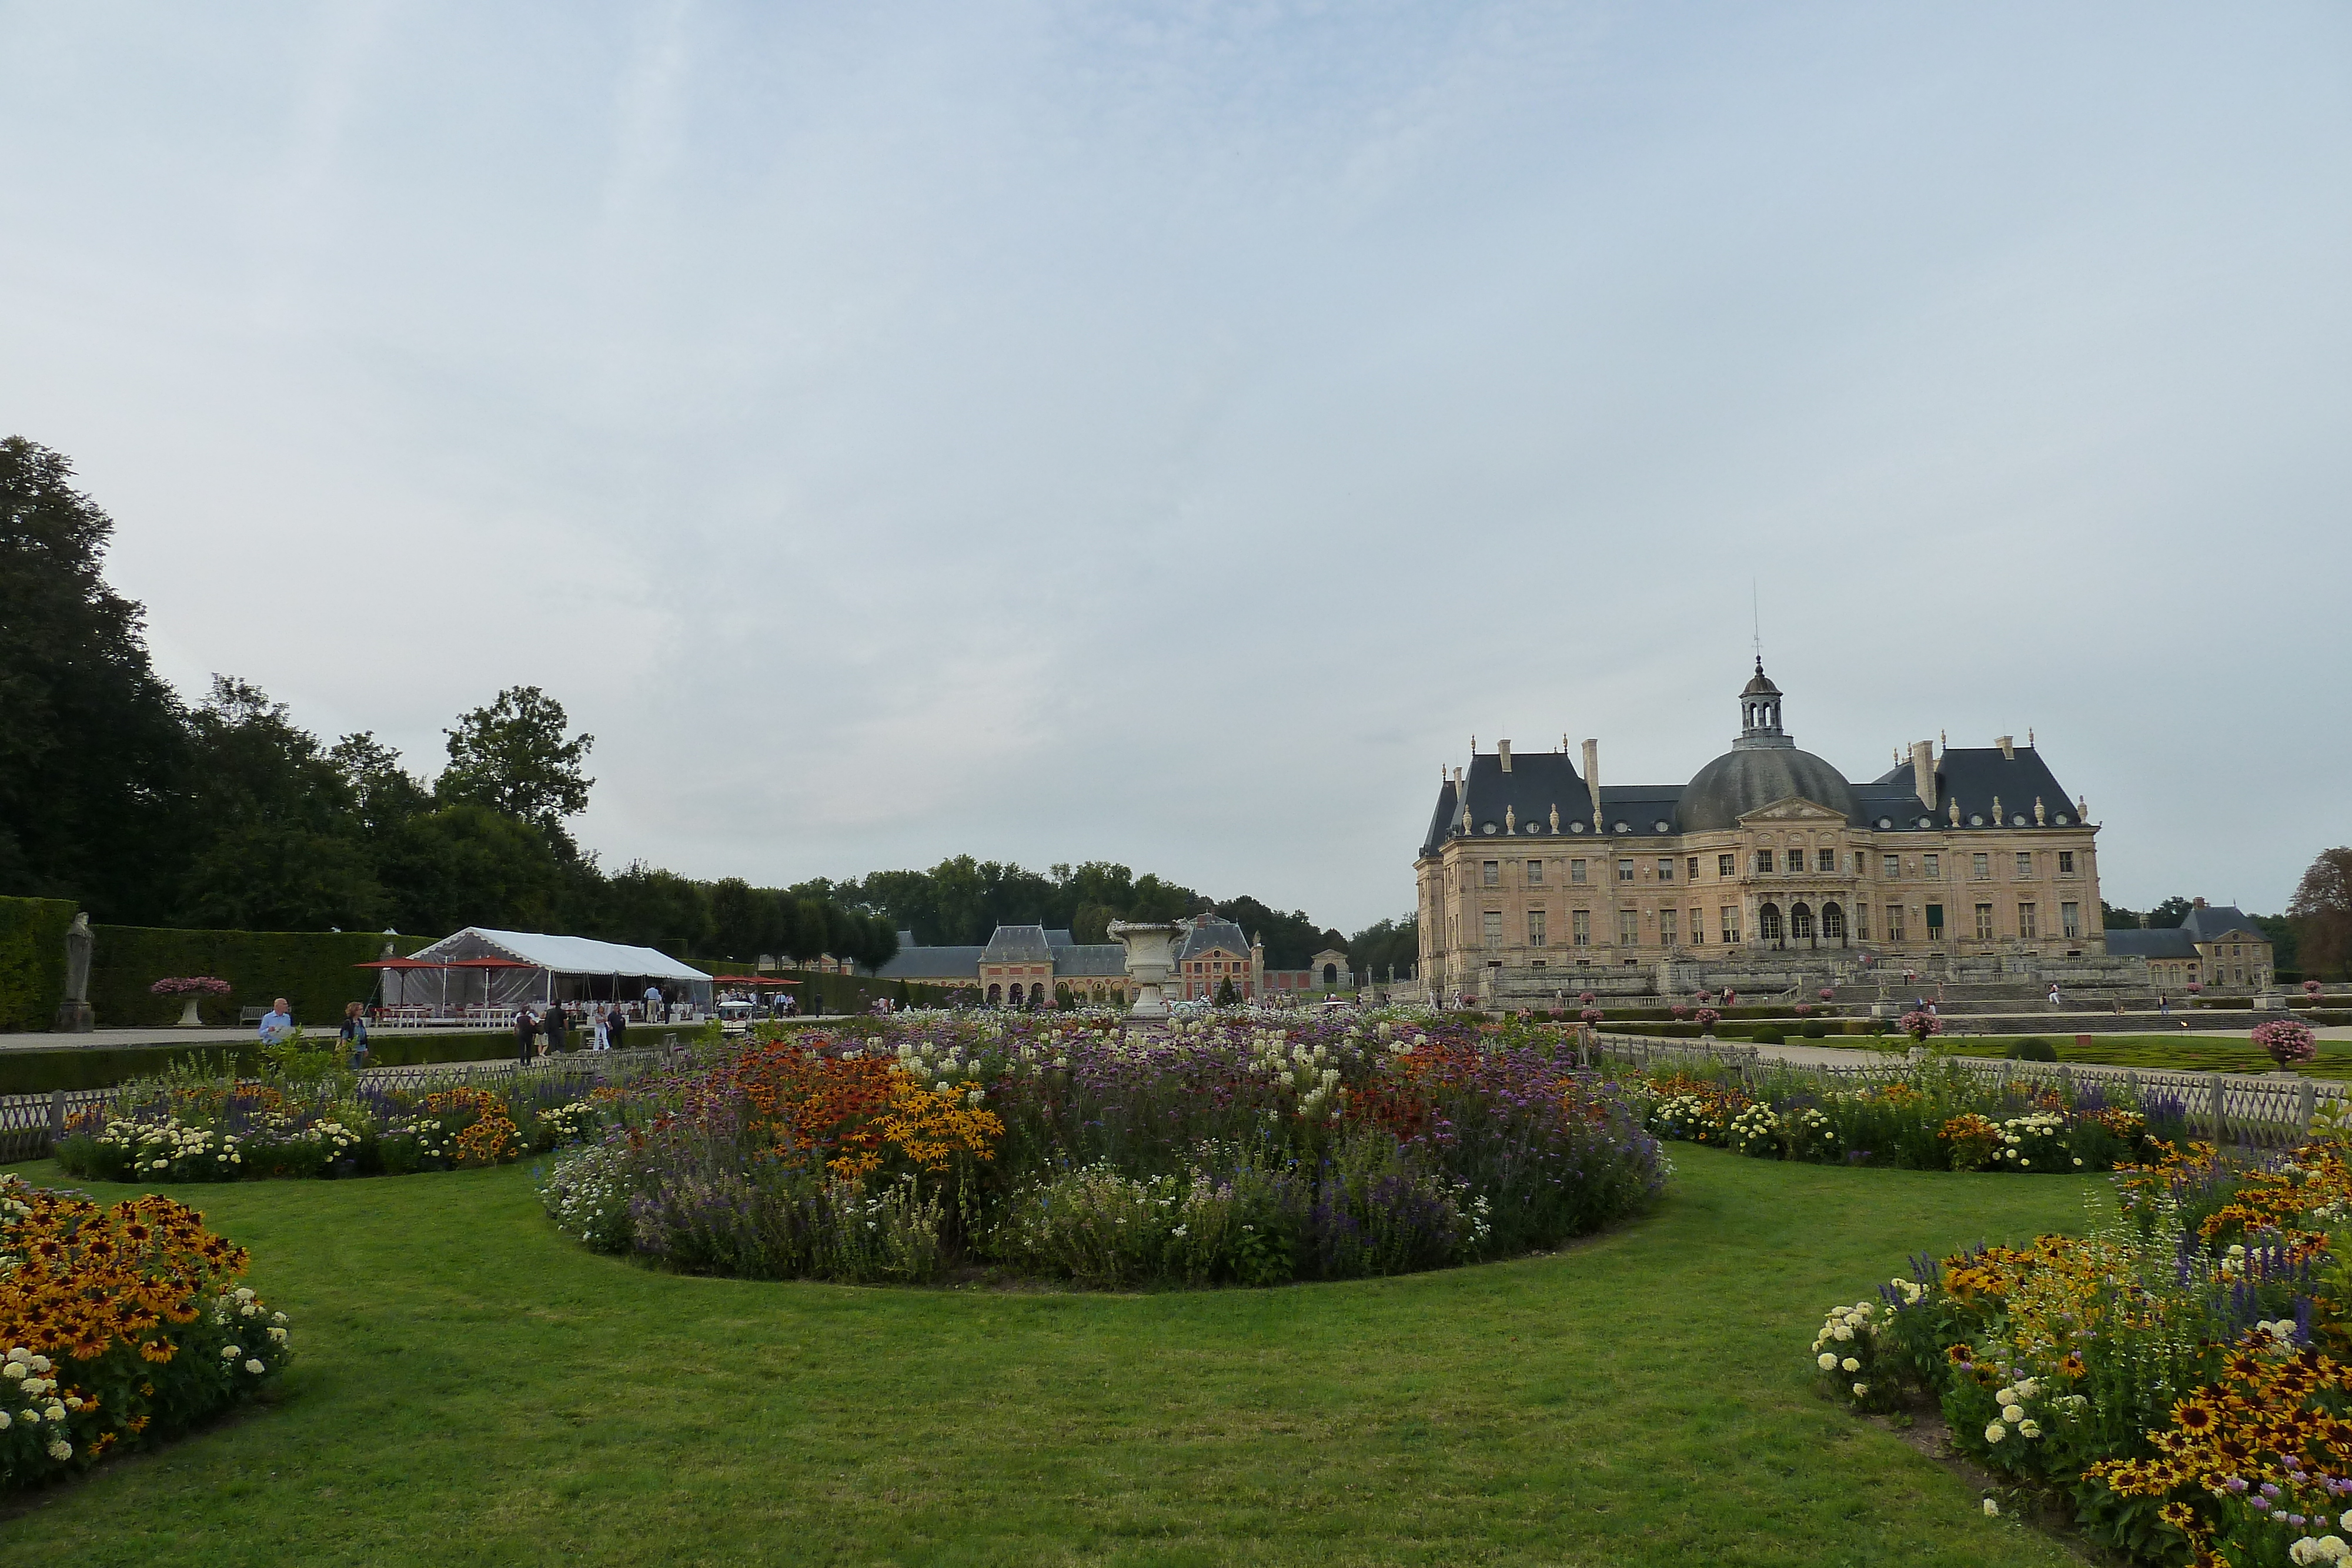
(117, 1325)
(1210, 1153)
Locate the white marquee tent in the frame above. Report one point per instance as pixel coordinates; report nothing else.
(508, 968)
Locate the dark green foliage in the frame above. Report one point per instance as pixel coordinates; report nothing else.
(32, 960)
(1767, 1036)
(312, 969)
(1385, 946)
(92, 749)
(2032, 1050)
(466, 865)
(515, 758)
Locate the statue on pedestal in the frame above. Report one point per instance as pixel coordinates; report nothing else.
(74, 1015)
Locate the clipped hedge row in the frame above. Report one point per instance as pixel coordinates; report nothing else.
(313, 970)
(32, 961)
(103, 1067)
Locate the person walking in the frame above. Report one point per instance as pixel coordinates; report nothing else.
(653, 1004)
(559, 1029)
(276, 1023)
(2163, 1005)
(2053, 995)
(526, 1031)
(616, 1029)
(354, 1036)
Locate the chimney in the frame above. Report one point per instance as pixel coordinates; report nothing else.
(1923, 773)
(1503, 750)
(2007, 744)
(2196, 904)
(2142, 923)
(1592, 778)
(1461, 806)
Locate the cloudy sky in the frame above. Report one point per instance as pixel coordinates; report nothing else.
(1167, 433)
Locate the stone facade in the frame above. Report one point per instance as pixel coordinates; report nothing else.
(1534, 870)
(2219, 948)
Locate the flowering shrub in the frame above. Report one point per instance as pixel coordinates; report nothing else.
(2287, 1041)
(1212, 1152)
(1928, 1116)
(1920, 1023)
(190, 986)
(321, 1121)
(1828, 993)
(2178, 1374)
(120, 1325)
(1707, 1019)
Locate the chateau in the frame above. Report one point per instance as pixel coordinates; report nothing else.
(1536, 879)
(1032, 966)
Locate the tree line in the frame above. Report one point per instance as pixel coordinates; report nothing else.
(148, 810)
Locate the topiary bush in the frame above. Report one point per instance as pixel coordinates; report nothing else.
(2033, 1048)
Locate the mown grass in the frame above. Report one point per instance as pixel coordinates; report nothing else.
(2173, 1052)
(473, 1389)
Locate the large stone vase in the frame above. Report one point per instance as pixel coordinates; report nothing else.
(1151, 959)
(189, 1016)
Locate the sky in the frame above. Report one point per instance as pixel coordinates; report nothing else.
(1168, 434)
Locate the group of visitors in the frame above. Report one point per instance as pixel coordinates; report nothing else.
(548, 1029)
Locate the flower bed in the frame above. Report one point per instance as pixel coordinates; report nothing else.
(2178, 1378)
(315, 1119)
(117, 1325)
(1214, 1153)
(1927, 1116)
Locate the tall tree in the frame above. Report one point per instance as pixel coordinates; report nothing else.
(2322, 913)
(92, 748)
(516, 758)
(468, 865)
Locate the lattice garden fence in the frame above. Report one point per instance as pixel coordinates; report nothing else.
(2267, 1111)
(31, 1124)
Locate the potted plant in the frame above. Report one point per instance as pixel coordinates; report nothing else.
(195, 989)
(2287, 1041)
(1707, 1018)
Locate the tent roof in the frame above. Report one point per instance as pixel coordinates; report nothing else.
(565, 954)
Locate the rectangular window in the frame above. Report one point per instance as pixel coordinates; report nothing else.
(1629, 928)
(1691, 870)
(1935, 923)
(1862, 922)
(1665, 868)
(2025, 865)
(1932, 868)
(1494, 928)
(1725, 864)
(1763, 861)
(1980, 866)
(2065, 863)
(1625, 871)
(2070, 920)
(1984, 921)
(1491, 875)
(2025, 924)
(1535, 927)
(1893, 868)
(1576, 871)
(1894, 923)
(1825, 860)
(1698, 926)
(1580, 926)
(1666, 929)
(1731, 923)
(1535, 873)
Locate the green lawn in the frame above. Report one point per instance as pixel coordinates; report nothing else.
(2177, 1052)
(472, 1389)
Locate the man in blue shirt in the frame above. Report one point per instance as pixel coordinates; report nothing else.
(276, 1023)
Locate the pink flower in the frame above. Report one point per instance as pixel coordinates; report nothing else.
(1590, 1015)
(2287, 1041)
(190, 986)
(1680, 1009)
(1708, 1018)
(1829, 993)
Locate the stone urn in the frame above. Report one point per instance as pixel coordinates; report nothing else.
(188, 1016)
(1151, 959)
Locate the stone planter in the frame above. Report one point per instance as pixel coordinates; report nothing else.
(1151, 959)
(189, 1018)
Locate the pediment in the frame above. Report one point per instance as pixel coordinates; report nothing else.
(1794, 809)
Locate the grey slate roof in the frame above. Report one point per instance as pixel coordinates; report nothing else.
(912, 962)
(2167, 943)
(1017, 945)
(1208, 931)
(1090, 960)
(2215, 924)
(1537, 782)
(1975, 776)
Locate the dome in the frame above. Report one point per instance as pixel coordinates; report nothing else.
(1741, 780)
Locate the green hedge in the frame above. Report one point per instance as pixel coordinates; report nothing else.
(32, 961)
(313, 970)
(103, 1067)
(841, 993)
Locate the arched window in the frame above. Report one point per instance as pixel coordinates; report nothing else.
(1037, 995)
(1768, 923)
(1800, 922)
(1833, 922)
(995, 994)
